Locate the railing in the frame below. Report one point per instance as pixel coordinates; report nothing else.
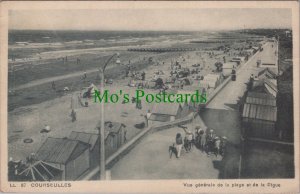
(132, 142)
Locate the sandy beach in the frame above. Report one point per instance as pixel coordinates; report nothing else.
(35, 104)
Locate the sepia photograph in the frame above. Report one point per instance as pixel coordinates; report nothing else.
(141, 92)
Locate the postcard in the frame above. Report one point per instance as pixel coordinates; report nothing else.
(149, 96)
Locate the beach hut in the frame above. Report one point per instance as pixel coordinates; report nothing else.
(210, 83)
(40, 171)
(266, 73)
(213, 80)
(259, 120)
(260, 98)
(227, 68)
(238, 60)
(203, 86)
(271, 86)
(268, 86)
(70, 156)
(164, 112)
(249, 51)
(93, 140)
(259, 115)
(271, 64)
(115, 136)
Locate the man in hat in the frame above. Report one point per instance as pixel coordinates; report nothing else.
(210, 140)
(178, 143)
(199, 132)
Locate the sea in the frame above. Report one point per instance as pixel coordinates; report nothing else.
(49, 36)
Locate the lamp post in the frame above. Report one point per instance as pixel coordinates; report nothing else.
(102, 130)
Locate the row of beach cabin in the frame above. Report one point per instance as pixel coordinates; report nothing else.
(70, 157)
(259, 113)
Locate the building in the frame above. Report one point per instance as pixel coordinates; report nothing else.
(115, 136)
(212, 80)
(203, 87)
(271, 86)
(260, 99)
(259, 115)
(238, 60)
(93, 140)
(70, 156)
(266, 73)
(265, 82)
(271, 64)
(164, 112)
(41, 171)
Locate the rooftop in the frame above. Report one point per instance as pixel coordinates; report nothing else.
(60, 150)
(260, 112)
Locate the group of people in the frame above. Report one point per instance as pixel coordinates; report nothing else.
(207, 141)
(186, 142)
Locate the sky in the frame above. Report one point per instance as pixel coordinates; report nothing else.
(151, 19)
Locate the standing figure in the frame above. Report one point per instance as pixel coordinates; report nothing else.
(203, 142)
(199, 133)
(138, 104)
(73, 115)
(217, 144)
(179, 143)
(251, 80)
(53, 86)
(188, 140)
(125, 138)
(223, 146)
(143, 75)
(210, 140)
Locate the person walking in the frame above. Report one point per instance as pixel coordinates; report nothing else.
(73, 115)
(189, 138)
(53, 86)
(179, 143)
